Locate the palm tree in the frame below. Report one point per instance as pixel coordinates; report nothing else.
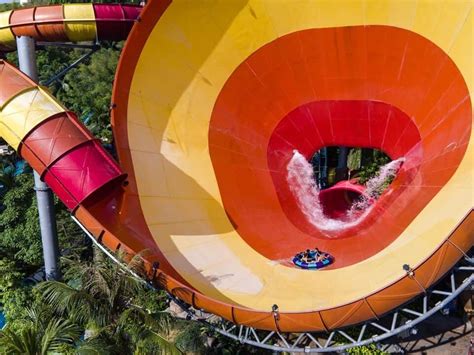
(42, 334)
(101, 297)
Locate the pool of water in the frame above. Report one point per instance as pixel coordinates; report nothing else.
(2, 320)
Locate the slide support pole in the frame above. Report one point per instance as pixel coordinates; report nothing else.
(49, 235)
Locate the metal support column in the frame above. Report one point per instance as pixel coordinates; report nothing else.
(49, 236)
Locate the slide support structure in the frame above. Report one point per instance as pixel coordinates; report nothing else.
(44, 196)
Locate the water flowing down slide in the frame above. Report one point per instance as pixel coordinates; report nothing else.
(210, 101)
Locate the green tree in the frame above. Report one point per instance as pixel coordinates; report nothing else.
(366, 350)
(87, 89)
(7, 179)
(19, 226)
(9, 6)
(14, 296)
(41, 334)
(107, 302)
(354, 160)
(372, 164)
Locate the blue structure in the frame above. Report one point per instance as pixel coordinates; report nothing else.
(313, 259)
(3, 321)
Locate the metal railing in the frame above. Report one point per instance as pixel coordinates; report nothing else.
(403, 319)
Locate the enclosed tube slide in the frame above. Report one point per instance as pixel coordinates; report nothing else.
(69, 22)
(53, 141)
(210, 101)
(337, 200)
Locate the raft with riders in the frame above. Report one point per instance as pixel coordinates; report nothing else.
(313, 259)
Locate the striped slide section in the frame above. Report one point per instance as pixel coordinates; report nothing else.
(69, 22)
(53, 141)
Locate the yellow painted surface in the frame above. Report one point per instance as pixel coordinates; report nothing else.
(24, 112)
(6, 36)
(184, 65)
(80, 22)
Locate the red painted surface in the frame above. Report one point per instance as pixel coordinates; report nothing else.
(114, 21)
(50, 23)
(338, 199)
(47, 23)
(41, 23)
(52, 139)
(312, 126)
(366, 92)
(117, 218)
(81, 172)
(130, 229)
(16, 80)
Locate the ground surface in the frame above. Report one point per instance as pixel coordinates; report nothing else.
(439, 335)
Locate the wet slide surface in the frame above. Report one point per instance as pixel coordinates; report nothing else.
(210, 101)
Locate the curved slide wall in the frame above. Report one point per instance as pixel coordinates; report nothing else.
(69, 22)
(211, 99)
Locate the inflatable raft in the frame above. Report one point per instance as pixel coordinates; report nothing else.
(313, 259)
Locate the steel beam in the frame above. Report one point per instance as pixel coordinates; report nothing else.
(44, 196)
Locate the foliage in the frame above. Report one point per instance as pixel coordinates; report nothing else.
(192, 337)
(19, 227)
(199, 338)
(366, 350)
(9, 6)
(13, 295)
(107, 302)
(42, 333)
(87, 91)
(354, 159)
(100, 309)
(7, 171)
(371, 166)
(18, 223)
(10, 277)
(20, 243)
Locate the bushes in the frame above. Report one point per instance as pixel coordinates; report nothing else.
(371, 165)
(365, 350)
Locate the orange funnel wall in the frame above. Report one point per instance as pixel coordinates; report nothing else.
(211, 99)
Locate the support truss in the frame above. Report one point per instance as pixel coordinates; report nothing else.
(401, 321)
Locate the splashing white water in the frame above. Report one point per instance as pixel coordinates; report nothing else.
(303, 186)
(376, 185)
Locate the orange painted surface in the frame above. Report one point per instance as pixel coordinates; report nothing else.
(70, 22)
(312, 74)
(238, 162)
(240, 99)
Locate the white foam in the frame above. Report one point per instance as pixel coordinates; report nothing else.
(302, 184)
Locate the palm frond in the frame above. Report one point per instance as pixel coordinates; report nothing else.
(58, 332)
(165, 345)
(39, 316)
(93, 347)
(137, 262)
(26, 342)
(99, 282)
(66, 299)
